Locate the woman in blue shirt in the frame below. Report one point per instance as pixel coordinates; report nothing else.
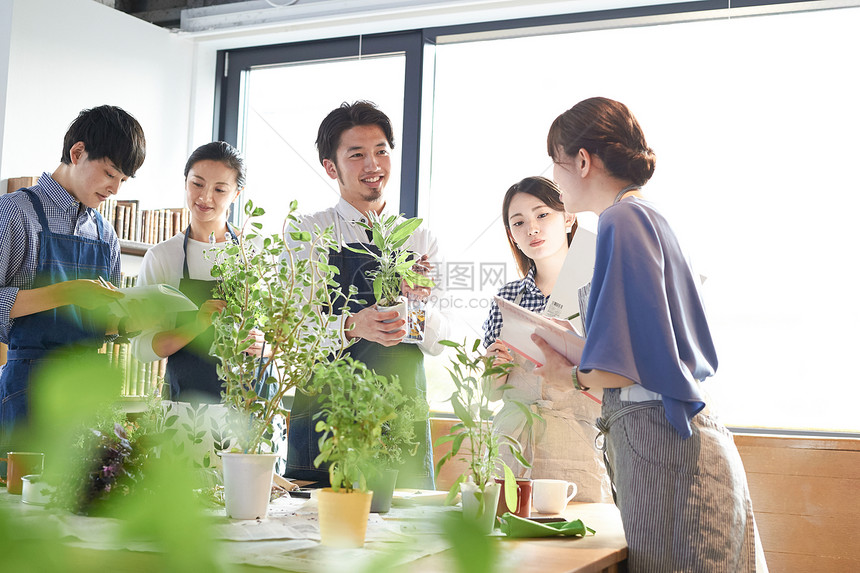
(676, 473)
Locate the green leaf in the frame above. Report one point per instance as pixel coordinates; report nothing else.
(404, 230)
(303, 236)
(510, 488)
(461, 412)
(455, 489)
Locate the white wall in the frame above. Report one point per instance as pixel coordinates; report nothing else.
(66, 55)
(5, 42)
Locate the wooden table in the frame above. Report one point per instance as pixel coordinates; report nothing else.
(606, 551)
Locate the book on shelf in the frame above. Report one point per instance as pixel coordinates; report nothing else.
(139, 379)
(151, 226)
(16, 183)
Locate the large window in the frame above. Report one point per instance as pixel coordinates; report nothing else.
(284, 106)
(753, 120)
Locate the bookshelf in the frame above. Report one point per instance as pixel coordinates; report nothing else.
(139, 379)
(134, 248)
(138, 229)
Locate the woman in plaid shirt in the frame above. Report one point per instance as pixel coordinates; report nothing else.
(561, 446)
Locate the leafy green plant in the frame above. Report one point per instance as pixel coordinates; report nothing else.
(472, 437)
(398, 437)
(356, 404)
(394, 263)
(287, 291)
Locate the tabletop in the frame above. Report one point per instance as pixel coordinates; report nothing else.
(288, 541)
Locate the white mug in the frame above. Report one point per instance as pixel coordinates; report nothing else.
(552, 495)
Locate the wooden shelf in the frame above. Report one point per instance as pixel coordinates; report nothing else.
(134, 248)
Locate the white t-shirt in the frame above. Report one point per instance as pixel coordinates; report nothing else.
(162, 264)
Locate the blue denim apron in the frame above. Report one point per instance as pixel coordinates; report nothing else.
(61, 258)
(191, 371)
(404, 360)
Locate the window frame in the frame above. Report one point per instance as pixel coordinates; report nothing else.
(233, 65)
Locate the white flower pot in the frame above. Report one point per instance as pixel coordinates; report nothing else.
(484, 514)
(400, 307)
(247, 484)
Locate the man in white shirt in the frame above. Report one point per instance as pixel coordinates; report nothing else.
(354, 144)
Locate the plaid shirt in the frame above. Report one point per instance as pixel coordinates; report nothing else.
(532, 299)
(19, 239)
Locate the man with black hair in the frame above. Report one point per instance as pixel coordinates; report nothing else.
(354, 143)
(55, 251)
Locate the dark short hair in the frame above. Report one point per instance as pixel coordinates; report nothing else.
(607, 129)
(548, 193)
(345, 117)
(107, 131)
(223, 152)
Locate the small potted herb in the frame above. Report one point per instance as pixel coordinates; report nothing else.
(270, 286)
(355, 407)
(394, 262)
(472, 437)
(398, 441)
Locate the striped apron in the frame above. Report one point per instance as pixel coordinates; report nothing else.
(684, 504)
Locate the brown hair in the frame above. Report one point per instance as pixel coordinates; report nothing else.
(607, 129)
(548, 193)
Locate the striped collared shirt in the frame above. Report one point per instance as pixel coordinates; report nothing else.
(19, 238)
(532, 299)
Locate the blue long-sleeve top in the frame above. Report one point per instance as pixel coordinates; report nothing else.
(645, 318)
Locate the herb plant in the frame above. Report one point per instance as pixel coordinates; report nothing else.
(287, 292)
(356, 404)
(394, 263)
(398, 437)
(472, 437)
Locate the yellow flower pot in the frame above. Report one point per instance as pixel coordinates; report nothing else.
(343, 517)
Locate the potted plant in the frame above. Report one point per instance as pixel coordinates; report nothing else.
(398, 439)
(355, 406)
(266, 285)
(394, 262)
(472, 437)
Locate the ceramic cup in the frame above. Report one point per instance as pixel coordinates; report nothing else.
(20, 464)
(552, 495)
(524, 498)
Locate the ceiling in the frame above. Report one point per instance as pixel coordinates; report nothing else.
(209, 15)
(166, 13)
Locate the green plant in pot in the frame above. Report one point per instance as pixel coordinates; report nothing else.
(394, 262)
(472, 438)
(398, 441)
(355, 407)
(270, 286)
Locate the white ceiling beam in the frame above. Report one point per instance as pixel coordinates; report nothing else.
(266, 15)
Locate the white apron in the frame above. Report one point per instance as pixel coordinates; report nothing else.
(561, 446)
